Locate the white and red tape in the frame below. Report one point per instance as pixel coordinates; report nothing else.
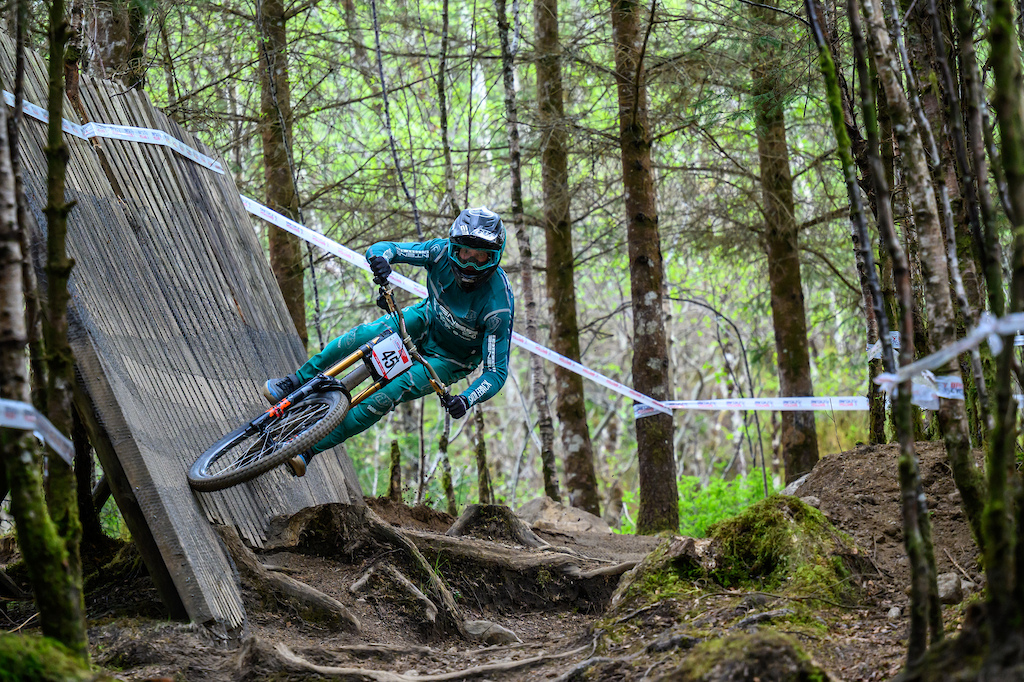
(926, 394)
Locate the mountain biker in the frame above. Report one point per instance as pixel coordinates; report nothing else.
(465, 319)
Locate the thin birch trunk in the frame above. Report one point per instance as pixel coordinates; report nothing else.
(540, 391)
(951, 416)
(908, 470)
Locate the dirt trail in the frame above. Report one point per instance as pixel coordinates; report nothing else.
(550, 613)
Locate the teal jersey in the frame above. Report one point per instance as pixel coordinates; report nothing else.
(465, 327)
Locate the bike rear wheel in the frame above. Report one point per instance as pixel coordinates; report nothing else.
(248, 452)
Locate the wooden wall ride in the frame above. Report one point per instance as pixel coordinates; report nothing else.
(176, 321)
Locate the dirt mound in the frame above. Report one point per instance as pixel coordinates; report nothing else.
(420, 517)
(859, 493)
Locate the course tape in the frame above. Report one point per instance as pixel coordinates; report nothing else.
(19, 415)
(647, 404)
(989, 330)
(115, 132)
(831, 404)
(356, 259)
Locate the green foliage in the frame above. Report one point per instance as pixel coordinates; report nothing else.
(702, 505)
(25, 658)
(112, 522)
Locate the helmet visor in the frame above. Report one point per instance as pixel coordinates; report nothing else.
(473, 258)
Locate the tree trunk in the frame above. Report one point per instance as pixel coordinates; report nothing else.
(799, 443)
(61, 498)
(659, 497)
(118, 49)
(88, 514)
(395, 474)
(580, 478)
(540, 391)
(56, 586)
(276, 133)
(485, 495)
(1005, 613)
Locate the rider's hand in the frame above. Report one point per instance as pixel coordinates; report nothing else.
(456, 405)
(381, 269)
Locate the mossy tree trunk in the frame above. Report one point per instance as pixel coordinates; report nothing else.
(56, 586)
(62, 498)
(570, 404)
(1005, 612)
(659, 496)
(485, 494)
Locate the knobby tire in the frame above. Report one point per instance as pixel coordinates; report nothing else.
(303, 425)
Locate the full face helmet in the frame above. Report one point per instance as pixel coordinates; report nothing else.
(476, 241)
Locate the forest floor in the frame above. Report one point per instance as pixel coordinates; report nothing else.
(561, 622)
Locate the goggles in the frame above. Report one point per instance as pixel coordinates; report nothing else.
(474, 258)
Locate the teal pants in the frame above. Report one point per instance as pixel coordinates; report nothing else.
(415, 383)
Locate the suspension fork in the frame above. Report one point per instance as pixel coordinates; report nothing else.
(387, 293)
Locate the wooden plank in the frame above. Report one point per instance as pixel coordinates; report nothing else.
(178, 320)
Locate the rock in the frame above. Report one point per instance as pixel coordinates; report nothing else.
(894, 613)
(670, 641)
(544, 513)
(968, 587)
(812, 501)
(794, 486)
(950, 589)
(490, 633)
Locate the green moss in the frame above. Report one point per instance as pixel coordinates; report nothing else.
(774, 655)
(671, 570)
(26, 658)
(782, 543)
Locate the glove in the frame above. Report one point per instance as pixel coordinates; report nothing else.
(381, 269)
(456, 405)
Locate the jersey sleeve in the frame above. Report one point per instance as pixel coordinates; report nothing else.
(424, 254)
(496, 348)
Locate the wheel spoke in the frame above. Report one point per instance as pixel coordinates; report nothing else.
(266, 442)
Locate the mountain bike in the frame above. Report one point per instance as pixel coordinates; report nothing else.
(313, 410)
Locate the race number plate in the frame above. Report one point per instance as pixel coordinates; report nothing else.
(390, 357)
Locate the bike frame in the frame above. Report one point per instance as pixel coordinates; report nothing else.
(327, 381)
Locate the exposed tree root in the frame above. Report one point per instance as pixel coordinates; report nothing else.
(312, 604)
(290, 660)
(397, 578)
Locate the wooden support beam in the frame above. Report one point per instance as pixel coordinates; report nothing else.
(129, 507)
(101, 492)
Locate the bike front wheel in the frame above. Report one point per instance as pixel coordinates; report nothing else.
(248, 451)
